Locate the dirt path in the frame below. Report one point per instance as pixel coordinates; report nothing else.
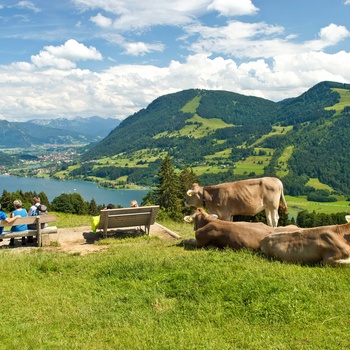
(80, 240)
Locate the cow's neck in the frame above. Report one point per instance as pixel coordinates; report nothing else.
(343, 230)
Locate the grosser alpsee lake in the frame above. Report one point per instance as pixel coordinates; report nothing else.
(87, 190)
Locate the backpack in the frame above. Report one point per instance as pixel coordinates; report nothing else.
(42, 209)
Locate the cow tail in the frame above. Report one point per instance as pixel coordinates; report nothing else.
(283, 203)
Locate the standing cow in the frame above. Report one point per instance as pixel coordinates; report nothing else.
(246, 197)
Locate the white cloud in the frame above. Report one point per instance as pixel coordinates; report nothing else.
(134, 48)
(46, 59)
(135, 14)
(333, 33)
(347, 2)
(233, 8)
(141, 48)
(101, 21)
(74, 51)
(254, 40)
(27, 5)
(41, 89)
(64, 56)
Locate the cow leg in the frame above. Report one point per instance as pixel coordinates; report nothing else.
(268, 217)
(337, 258)
(271, 217)
(343, 261)
(275, 217)
(192, 242)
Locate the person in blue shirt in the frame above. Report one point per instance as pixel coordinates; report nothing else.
(8, 220)
(18, 228)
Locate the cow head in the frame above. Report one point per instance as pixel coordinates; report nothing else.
(194, 196)
(198, 217)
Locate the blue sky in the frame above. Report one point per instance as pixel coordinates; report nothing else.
(113, 57)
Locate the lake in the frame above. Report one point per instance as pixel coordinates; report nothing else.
(87, 190)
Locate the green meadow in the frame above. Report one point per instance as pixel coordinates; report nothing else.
(343, 102)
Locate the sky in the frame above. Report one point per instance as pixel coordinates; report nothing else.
(111, 58)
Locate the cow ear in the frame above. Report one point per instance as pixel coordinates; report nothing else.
(189, 193)
(188, 218)
(214, 216)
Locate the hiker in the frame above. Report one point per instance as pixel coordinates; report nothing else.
(19, 211)
(8, 220)
(134, 204)
(36, 209)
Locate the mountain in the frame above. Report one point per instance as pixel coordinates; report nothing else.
(27, 134)
(225, 136)
(189, 121)
(95, 126)
(55, 131)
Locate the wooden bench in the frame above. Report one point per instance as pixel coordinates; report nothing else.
(31, 220)
(127, 217)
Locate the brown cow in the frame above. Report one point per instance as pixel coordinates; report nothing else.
(246, 197)
(323, 244)
(211, 231)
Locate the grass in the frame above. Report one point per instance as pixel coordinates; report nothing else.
(277, 130)
(343, 102)
(296, 204)
(282, 161)
(145, 293)
(316, 184)
(196, 127)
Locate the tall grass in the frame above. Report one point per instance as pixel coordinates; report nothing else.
(145, 293)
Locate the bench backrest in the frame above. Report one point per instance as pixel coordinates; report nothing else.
(125, 217)
(30, 220)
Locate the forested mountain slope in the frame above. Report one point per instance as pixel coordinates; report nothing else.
(226, 136)
(190, 124)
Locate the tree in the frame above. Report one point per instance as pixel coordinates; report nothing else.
(93, 208)
(62, 204)
(186, 179)
(70, 203)
(168, 190)
(44, 199)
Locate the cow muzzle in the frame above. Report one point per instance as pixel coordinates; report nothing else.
(188, 218)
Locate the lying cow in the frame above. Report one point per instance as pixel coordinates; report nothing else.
(246, 197)
(211, 231)
(324, 244)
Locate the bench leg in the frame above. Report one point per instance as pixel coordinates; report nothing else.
(39, 239)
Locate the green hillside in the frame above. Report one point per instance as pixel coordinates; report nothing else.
(224, 136)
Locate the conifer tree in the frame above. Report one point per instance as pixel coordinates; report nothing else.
(168, 190)
(93, 208)
(186, 178)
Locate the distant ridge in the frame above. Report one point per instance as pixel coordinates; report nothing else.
(55, 131)
(94, 126)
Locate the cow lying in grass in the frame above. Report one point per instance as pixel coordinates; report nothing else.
(212, 232)
(323, 244)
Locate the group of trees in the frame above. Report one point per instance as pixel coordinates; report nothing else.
(7, 199)
(72, 203)
(170, 192)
